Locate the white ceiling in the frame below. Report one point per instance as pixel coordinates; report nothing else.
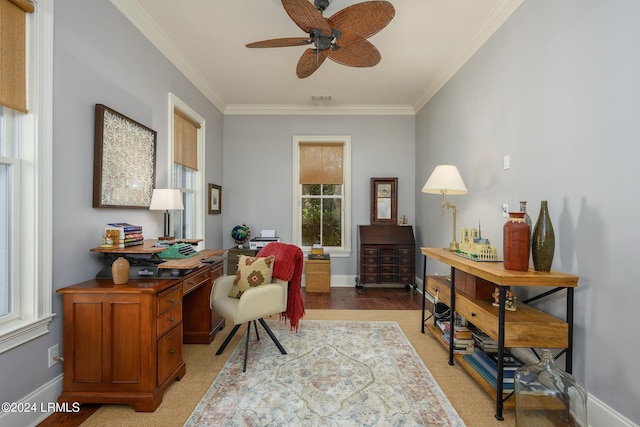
(422, 47)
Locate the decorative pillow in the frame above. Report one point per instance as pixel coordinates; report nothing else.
(252, 272)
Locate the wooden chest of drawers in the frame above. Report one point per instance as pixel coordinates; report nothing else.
(386, 255)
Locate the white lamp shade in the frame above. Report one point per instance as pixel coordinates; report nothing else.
(166, 199)
(445, 179)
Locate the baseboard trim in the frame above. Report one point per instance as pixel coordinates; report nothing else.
(38, 399)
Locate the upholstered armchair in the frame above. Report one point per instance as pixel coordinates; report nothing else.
(253, 304)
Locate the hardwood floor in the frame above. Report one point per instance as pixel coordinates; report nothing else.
(338, 299)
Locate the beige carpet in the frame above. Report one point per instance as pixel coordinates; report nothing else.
(472, 403)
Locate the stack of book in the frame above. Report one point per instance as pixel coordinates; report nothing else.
(486, 364)
(483, 341)
(125, 234)
(462, 336)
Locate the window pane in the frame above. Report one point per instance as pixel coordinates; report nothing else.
(332, 189)
(310, 221)
(5, 232)
(311, 189)
(332, 222)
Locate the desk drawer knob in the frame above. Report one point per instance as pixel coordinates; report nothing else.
(172, 352)
(172, 300)
(473, 314)
(171, 319)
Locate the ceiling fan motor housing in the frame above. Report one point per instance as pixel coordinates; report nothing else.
(321, 5)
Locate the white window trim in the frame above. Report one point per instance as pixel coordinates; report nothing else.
(201, 195)
(36, 202)
(297, 188)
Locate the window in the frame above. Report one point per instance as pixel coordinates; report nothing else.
(322, 184)
(186, 161)
(25, 181)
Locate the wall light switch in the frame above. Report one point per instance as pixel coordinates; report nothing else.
(505, 210)
(506, 162)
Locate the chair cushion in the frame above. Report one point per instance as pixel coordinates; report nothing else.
(252, 272)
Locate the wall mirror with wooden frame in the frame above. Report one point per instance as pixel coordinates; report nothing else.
(384, 201)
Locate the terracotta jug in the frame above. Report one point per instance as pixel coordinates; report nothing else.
(120, 271)
(516, 246)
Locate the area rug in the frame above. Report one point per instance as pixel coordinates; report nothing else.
(336, 373)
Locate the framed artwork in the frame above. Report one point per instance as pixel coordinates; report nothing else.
(124, 161)
(215, 199)
(384, 201)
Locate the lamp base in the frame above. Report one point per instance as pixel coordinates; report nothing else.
(453, 246)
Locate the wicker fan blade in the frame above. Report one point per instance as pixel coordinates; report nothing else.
(306, 16)
(284, 42)
(309, 62)
(362, 20)
(358, 53)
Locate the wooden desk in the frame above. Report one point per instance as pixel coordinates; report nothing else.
(526, 327)
(123, 343)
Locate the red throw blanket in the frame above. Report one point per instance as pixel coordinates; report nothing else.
(288, 265)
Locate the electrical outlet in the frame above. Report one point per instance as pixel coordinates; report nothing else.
(505, 210)
(54, 354)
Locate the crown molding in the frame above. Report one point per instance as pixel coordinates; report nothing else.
(333, 110)
(483, 32)
(143, 22)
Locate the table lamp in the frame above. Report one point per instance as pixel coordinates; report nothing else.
(445, 179)
(166, 199)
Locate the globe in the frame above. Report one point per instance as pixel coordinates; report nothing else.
(240, 234)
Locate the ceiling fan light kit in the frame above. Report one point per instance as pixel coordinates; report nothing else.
(341, 38)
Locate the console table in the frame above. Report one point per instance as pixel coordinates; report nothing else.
(123, 343)
(526, 327)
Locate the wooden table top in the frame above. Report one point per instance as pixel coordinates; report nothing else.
(495, 272)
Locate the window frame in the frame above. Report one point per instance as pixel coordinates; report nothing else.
(199, 180)
(296, 231)
(35, 211)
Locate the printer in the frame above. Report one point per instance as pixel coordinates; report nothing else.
(266, 237)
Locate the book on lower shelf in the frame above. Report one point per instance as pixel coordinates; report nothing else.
(507, 384)
(490, 362)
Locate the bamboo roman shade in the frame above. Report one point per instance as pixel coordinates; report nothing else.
(185, 140)
(321, 163)
(13, 62)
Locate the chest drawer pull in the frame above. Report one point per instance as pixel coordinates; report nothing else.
(172, 351)
(473, 314)
(171, 319)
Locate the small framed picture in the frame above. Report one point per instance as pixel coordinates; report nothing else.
(215, 199)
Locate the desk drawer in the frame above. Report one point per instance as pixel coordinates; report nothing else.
(169, 319)
(194, 281)
(169, 298)
(169, 352)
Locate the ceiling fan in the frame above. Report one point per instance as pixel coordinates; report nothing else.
(342, 38)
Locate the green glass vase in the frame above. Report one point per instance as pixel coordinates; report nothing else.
(543, 240)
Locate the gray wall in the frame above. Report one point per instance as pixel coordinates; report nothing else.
(557, 89)
(99, 57)
(258, 173)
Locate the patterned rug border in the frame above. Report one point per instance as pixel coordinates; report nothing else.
(421, 397)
